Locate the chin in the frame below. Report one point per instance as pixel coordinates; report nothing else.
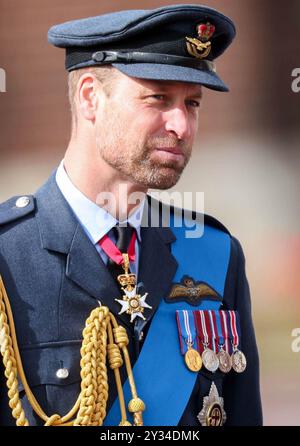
(162, 186)
(164, 180)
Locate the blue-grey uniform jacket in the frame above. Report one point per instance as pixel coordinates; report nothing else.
(54, 278)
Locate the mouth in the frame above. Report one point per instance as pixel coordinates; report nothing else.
(174, 150)
(170, 153)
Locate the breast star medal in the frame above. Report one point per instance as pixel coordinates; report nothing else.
(212, 413)
(132, 302)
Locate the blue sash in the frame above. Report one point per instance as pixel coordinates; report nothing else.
(163, 381)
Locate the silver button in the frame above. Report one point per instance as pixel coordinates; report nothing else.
(141, 337)
(22, 202)
(62, 373)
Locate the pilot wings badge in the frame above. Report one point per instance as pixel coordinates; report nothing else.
(192, 292)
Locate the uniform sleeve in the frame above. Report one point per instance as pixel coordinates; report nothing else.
(241, 391)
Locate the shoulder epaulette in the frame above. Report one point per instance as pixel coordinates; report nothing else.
(15, 208)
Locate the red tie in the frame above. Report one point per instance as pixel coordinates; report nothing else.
(123, 236)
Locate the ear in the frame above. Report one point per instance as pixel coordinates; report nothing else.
(87, 96)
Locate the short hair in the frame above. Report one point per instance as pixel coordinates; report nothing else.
(106, 75)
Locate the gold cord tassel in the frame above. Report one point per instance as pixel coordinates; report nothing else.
(102, 337)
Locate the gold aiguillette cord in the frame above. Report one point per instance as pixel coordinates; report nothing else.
(90, 407)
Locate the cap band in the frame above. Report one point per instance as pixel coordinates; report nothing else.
(109, 57)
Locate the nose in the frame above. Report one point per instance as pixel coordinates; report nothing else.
(177, 120)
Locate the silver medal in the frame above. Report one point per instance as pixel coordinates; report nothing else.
(210, 360)
(225, 363)
(239, 362)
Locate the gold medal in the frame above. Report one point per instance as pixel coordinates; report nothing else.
(239, 362)
(193, 360)
(210, 360)
(225, 363)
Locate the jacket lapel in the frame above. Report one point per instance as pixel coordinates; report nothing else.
(86, 268)
(157, 265)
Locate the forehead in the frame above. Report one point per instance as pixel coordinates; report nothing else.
(135, 85)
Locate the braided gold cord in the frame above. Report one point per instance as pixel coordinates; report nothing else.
(136, 406)
(115, 360)
(121, 336)
(102, 380)
(90, 407)
(52, 420)
(9, 362)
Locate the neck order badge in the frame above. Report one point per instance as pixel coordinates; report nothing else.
(132, 303)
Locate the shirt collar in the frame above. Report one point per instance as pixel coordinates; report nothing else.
(96, 221)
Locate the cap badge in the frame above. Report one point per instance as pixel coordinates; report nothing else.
(212, 413)
(200, 47)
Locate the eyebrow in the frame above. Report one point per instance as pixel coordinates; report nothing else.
(163, 87)
(197, 94)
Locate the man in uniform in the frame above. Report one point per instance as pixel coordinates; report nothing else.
(79, 244)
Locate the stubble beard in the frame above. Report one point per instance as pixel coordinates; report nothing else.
(137, 164)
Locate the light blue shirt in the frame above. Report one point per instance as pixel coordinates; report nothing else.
(96, 221)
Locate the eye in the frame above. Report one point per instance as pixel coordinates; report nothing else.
(193, 103)
(158, 97)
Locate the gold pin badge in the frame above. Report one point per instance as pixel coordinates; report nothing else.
(200, 46)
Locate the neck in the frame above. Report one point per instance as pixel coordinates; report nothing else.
(102, 184)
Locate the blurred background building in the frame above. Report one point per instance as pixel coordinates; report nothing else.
(246, 159)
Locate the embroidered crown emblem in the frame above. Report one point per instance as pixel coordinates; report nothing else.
(205, 32)
(200, 47)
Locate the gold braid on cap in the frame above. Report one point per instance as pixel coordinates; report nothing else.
(101, 336)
